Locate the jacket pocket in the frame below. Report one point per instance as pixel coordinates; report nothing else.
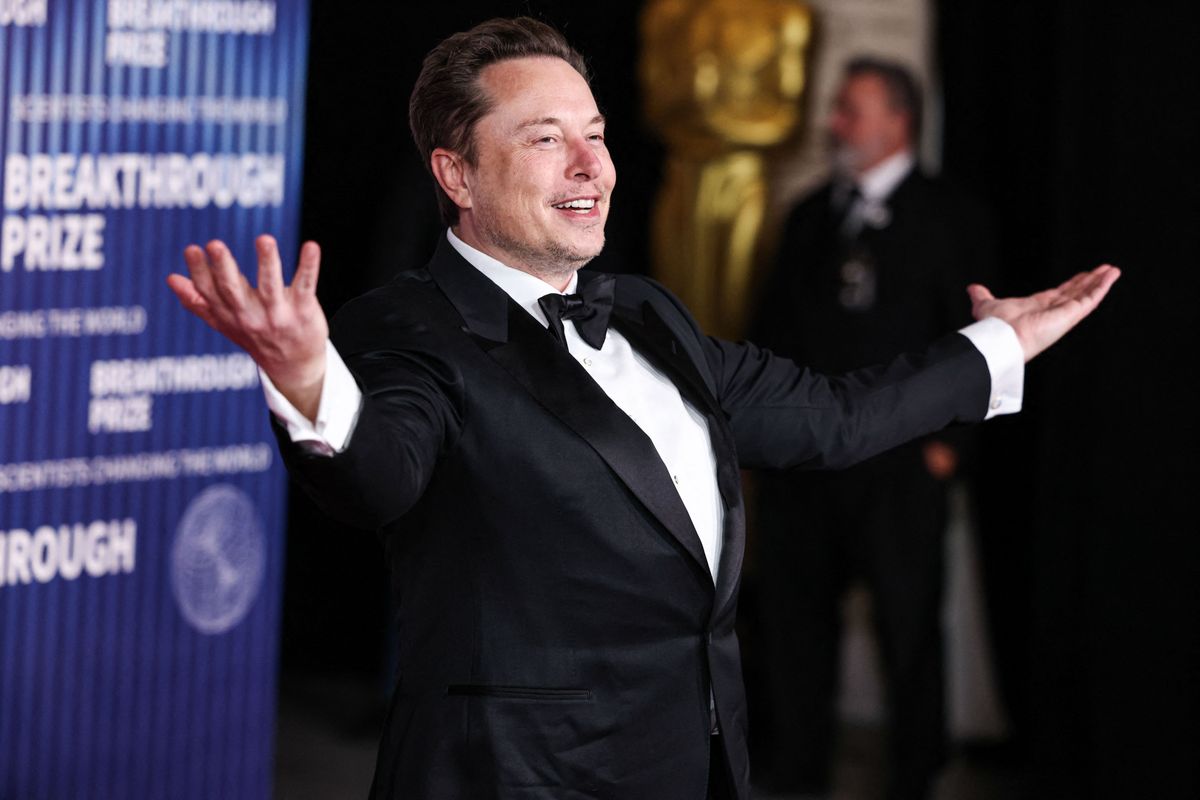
(534, 693)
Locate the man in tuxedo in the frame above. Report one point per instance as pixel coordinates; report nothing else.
(871, 263)
(550, 457)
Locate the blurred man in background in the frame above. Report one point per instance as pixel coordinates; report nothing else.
(872, 263)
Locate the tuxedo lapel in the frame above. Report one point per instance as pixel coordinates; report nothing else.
(555, 379)
(652, 337)
(482, 304)
(524, 349)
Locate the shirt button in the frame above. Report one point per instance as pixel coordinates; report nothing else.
(996, 403)
(676, 479)
(587, 362)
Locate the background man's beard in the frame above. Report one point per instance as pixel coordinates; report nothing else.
(846, 160)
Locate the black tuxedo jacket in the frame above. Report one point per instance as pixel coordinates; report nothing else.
(935, 241)
(559, 628)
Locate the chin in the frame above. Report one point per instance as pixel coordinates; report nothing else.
(576, 257)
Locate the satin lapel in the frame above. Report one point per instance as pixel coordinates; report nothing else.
(565, 389)
(653, 338)
(482, 304)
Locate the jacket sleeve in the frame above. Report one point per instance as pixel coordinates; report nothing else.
(411, 415)
(784, 415)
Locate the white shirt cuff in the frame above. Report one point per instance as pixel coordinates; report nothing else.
(336, 414)
(998, 343)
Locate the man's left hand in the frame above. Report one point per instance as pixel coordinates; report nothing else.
(1042, 319)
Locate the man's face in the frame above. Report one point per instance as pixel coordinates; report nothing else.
(864, 128)
(539, 191)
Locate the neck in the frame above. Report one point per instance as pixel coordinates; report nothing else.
(555, 275)
(554, 268)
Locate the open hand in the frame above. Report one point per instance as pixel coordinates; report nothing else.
(282, 327)
(1042, 319)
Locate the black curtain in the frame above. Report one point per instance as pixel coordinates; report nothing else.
(1078, 122)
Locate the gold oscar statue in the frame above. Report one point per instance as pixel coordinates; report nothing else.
(722, 81)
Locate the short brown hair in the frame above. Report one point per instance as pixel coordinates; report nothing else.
(447, 100)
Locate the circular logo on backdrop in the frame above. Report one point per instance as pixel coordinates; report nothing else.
(218, 559)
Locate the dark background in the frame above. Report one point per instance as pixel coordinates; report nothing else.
(1077, 123)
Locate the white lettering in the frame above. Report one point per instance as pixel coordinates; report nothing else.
(102, 321)
(63, 473)
(43, 560)
(213, 16)
(17, 558)
(23, 324)
(41, 173)
(66, 321)
(16, 181)
(71, 551)
(102, 547)
(124, 545)
(23, 12)
(69, 182)
(173, 375)
(66, 242)
(12, 241)
(96, 560)
(16, 384)
(136, 48)
(116, 414)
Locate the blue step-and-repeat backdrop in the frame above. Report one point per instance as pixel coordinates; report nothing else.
(141, 498)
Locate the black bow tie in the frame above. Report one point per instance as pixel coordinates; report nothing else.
(589, 310)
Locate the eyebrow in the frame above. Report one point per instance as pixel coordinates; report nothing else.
(531, 123)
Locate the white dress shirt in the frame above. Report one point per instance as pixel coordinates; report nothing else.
(874, 187)
(679, 433)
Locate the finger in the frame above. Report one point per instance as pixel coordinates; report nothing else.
(978, 293)
(197, 264)
(1083, 285)
(228, 281)
(191, 299)
(1101, 280)
(307, 269)
(270, 269)
(1078, 284)
(1083, 281)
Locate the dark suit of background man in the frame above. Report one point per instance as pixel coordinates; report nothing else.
(871, 263)
(558, 499)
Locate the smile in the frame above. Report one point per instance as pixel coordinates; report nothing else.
(580, 206)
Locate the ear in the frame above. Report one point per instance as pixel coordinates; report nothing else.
(451, 173)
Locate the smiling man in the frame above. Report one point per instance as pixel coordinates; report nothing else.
(533, 191)
(550, 456)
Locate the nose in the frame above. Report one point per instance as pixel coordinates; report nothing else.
(585, 163)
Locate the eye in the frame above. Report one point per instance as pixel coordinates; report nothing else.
(595, 137)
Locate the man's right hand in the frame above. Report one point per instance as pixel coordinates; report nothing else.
(283, 328)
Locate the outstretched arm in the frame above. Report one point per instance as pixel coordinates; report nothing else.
(282, 327)
(1041, 319)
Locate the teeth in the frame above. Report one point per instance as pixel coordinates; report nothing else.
(578, 204)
